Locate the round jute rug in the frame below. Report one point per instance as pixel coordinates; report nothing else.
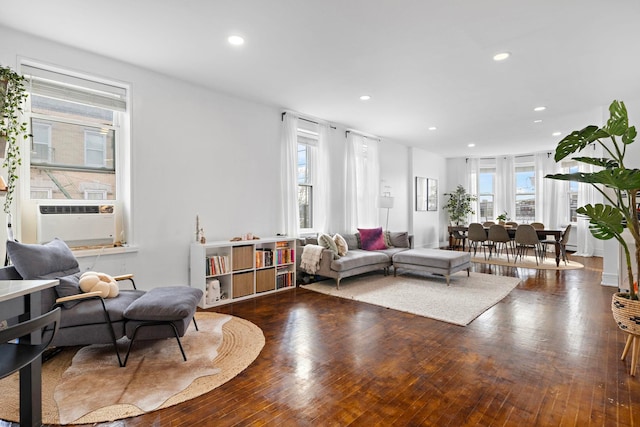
(237, 343)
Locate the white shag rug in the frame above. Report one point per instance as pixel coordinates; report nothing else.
(424, 294)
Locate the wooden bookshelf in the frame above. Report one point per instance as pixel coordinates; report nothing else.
(244, 269)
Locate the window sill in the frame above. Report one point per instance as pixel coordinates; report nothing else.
(82, 252)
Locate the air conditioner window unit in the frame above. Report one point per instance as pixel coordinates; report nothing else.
(77, 225)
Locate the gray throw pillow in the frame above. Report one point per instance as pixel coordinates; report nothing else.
(399, 239)
(48, 261)
(68, 286)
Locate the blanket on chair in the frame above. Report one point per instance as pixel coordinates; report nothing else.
(310, 260)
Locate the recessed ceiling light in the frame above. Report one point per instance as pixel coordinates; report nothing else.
(432, 128)
(537, 121)
(541, 108)
(501, 56)
(471, 145)
(236, 40)
(365, 97)
(556, 134)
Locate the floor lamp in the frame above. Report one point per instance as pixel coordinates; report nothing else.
(386, 202)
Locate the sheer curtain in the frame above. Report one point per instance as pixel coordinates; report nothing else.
(505, 187)
(586, 243)
(289, 175)
(321, 202)
(473, 171)
(363, 182)
(552, 204)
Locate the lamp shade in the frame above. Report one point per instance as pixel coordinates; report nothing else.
(385, 202)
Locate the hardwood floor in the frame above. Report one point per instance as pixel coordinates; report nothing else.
(546, 355)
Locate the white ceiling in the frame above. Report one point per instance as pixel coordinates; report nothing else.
(424, 62)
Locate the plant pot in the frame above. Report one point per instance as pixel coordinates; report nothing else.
(626, 312)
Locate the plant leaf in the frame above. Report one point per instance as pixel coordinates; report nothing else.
(618, 123)
(623, 179)
(605, 221)
(602, 162)
(577, 140)
(630, 135)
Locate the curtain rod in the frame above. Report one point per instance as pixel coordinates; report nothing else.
(346, 133)
(302, 118)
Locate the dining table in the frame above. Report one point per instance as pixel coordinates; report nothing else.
(21, 299)
(459, 230)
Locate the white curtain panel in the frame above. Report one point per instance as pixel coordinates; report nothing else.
(552, 204)
(363, 182)
(321, 206)
(505, 187)
(586, 243)
(289, 175)
(473, 172)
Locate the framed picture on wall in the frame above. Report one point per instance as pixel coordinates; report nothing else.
(432, 194)
(421, 194)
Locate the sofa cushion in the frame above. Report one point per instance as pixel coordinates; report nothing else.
(165, 304)
(341, 243)
(326, 241)
(372, 239)
(48, 261)
(352, 240)
(399, 239)
(90, 312)
(359, 258)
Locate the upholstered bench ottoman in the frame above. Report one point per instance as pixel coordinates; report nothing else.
(432, 260)
(162, 313)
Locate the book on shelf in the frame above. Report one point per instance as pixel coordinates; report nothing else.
(216, 265)
(285, 255)
(264, 257)
(284, 279)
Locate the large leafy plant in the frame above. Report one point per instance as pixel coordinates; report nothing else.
(618, 184)
(458, 205)
(12, 97)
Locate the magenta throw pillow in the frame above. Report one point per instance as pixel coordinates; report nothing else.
(372, 239)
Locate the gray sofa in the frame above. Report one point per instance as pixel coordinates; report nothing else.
(357, 260)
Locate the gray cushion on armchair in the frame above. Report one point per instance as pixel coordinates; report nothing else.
(48, 261)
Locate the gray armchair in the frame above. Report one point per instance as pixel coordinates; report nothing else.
(86, 318)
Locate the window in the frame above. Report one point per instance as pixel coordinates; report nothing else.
(76, 124)
(307, 145)
(486, 196)
(525, 193)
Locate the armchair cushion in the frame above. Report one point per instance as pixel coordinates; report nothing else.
(68, 286)
(48, 261)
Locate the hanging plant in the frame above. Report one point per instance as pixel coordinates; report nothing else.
(12, 97)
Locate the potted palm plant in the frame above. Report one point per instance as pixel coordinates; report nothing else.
(12, 129)
(619, 186)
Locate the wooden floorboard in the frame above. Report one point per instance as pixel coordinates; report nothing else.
(546, 355)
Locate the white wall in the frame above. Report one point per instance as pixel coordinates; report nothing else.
(196, 151)
(428, 229)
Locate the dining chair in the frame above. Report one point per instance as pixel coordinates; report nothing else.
(16, 355)
(499, 239)
(563, 243)
(511, 224)
(458, 239)
(477, 236)
(526, 238)
(537, 225)
(488, 223)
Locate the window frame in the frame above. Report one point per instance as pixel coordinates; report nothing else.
(121, 164)
(308, 139)
(530, 168)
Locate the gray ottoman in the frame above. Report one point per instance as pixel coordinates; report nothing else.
(433, 261)
(161, 313)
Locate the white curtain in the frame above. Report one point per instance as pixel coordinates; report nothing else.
(552, 204)
(473, 172)
(363, 182)
(321, 203)
(289, 175)
(586, 243)
(505, 187)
